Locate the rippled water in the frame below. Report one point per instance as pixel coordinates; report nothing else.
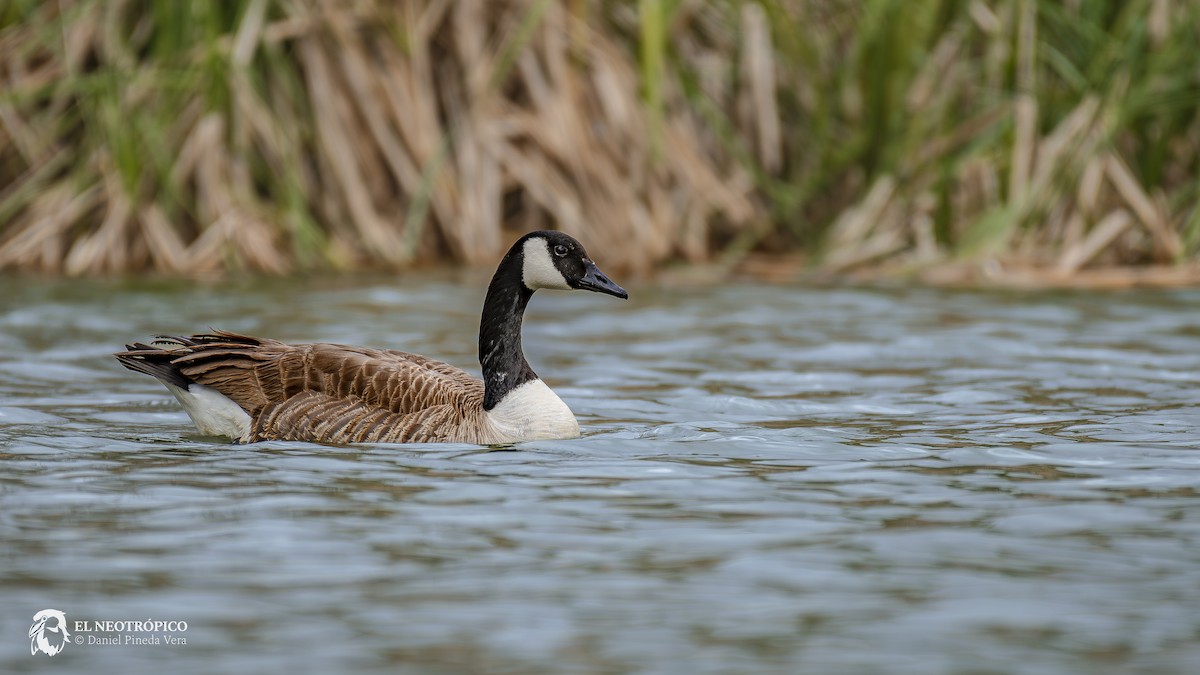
(772, 479)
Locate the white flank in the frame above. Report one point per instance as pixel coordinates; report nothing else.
(532, 412)
(539, 270)
(213, 413)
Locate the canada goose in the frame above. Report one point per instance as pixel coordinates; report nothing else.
(253, 389)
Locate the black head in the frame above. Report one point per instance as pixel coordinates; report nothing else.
(556, 260)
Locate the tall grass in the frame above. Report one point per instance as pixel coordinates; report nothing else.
(274, 135)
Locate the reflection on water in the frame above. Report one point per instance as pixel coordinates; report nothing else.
(772, 479)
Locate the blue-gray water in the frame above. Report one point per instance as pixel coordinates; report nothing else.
(771, 479)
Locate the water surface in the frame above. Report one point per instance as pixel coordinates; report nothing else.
(771, 479)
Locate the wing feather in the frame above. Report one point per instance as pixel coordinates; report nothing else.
(331, 393)
(314, 416)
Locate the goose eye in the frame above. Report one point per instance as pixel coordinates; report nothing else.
(560, 250)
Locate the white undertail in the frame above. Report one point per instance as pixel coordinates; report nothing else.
(213, 413)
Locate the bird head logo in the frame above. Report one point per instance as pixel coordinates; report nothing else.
(49, 632)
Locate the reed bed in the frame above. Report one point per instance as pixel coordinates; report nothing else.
(1054, 138)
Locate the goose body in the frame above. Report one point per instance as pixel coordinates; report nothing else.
(254, 389)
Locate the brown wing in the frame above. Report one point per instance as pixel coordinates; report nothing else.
(313, 416)
(330, 393)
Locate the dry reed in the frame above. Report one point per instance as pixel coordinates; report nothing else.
(274, 135)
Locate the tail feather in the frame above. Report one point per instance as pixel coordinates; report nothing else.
(155, 362)
(170, 360)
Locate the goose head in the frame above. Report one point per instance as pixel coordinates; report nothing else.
(556, 260)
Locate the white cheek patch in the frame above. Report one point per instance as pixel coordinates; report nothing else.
(539, 270)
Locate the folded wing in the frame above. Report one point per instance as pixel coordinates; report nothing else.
(322, 392)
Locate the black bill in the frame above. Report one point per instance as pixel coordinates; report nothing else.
(594, 280)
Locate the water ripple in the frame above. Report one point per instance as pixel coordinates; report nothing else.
(771, 479)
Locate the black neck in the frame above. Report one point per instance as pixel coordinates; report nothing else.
(500, 354)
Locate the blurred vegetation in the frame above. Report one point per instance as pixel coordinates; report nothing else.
(277, 135)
